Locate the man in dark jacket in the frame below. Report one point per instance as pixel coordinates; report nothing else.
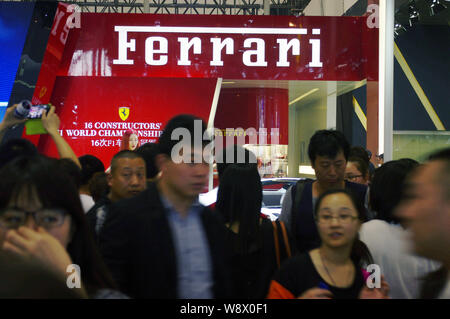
(163, 243)
(126, 179)
(328, 152)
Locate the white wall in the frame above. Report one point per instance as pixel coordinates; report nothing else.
(304, 121)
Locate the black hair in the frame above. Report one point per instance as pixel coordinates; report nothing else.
(98, 186)
(239, 200)
(124, 154)
(89, 166)
(364, 156)
(440, 155)
(386, 189)
(361, 152)
(55, 189)
(149, 152)
(360, 253)
(327, 143)
(241, 155)
(186, 121)
(72, 169)
(14, 148)
(444, 176)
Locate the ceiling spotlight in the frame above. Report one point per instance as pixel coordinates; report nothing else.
(436, 7)
(399, 29)
(413, 14)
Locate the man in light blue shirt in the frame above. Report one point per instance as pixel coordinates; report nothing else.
(163, 243)
(191, 246)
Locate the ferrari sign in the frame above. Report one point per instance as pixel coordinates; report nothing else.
(254, 55)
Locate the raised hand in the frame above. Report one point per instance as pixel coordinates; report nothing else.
(38, 245)
(51, 121)
(376, 293)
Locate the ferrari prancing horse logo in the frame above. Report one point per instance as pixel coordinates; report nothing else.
(124, 111)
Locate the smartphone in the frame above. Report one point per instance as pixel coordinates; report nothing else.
(36, 111)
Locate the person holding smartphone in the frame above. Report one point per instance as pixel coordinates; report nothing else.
(51, 123)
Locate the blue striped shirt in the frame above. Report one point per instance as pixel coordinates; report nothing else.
(192, 250)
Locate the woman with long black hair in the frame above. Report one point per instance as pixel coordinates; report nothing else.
(250, 237)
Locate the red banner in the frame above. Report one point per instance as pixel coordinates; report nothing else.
(92, 110)
(115, 72)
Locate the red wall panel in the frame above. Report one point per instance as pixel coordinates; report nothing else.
(89, 106)
(254, 107)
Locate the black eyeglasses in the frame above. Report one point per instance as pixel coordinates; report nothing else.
(343, 219)
(352, 177)
(47, 218)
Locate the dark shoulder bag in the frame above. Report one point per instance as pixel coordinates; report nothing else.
(280, 236)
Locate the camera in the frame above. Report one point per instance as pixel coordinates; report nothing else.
(23, 109)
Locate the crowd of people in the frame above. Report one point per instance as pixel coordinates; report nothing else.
(138, 230)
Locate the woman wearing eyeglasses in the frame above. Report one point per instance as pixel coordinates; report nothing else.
(335, 269)
(357, 171)
(41, 218)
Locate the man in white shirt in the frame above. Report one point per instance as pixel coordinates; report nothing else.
(89, 166)
(389, 241)
(426, 211)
